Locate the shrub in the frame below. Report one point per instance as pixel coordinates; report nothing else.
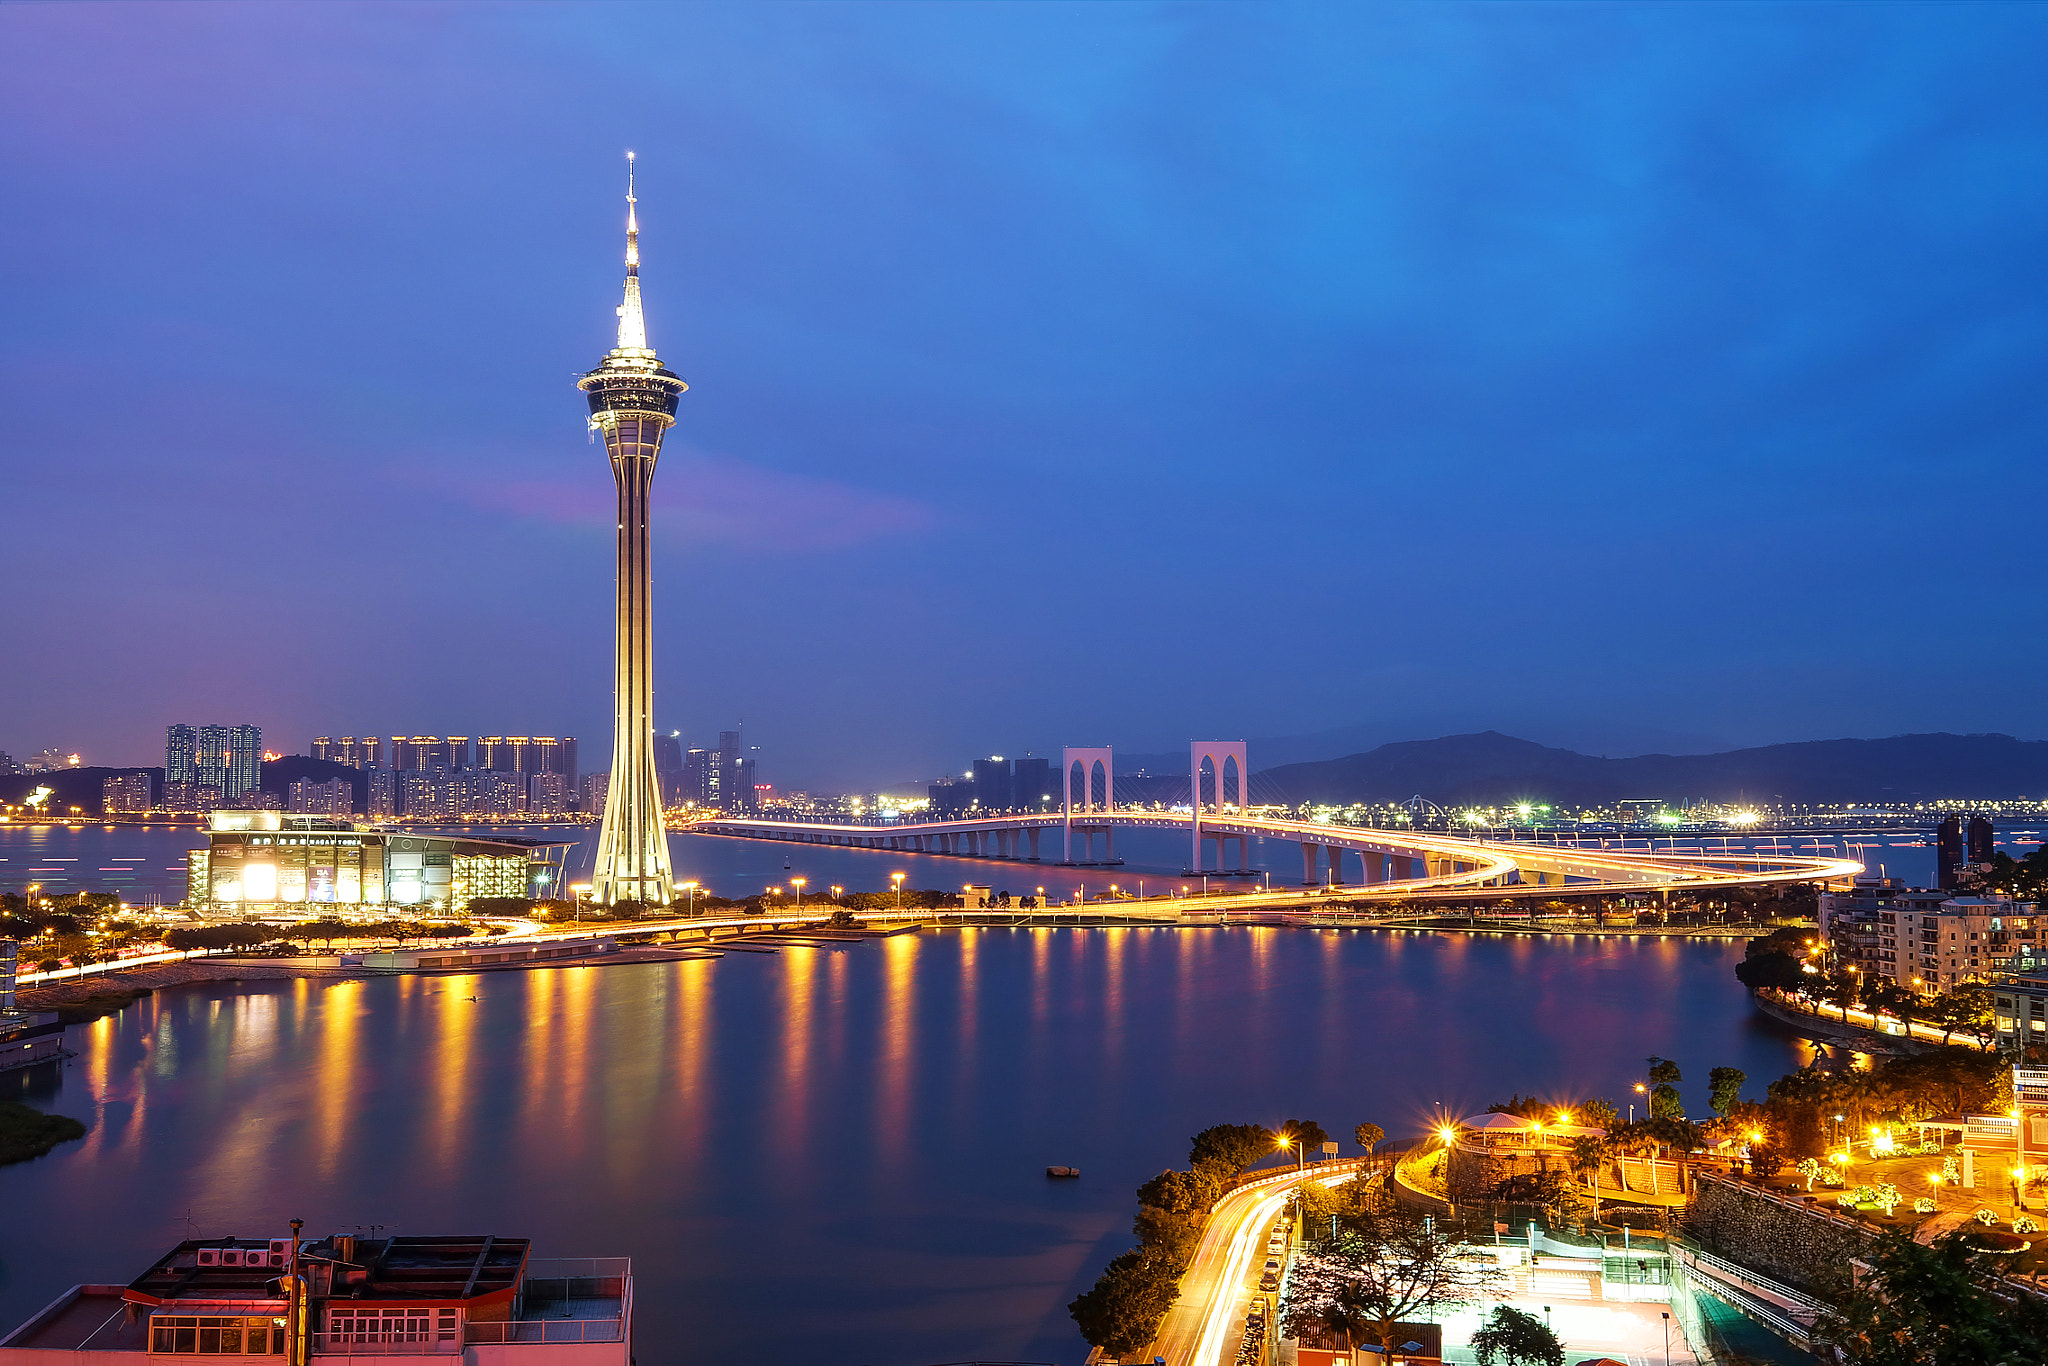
(1923, 1205)
(1985, 1217)
(2026, 1223)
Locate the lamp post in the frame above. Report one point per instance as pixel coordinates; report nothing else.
(897, 880)
(690, 890)
(798, 883)
(2019, 1162)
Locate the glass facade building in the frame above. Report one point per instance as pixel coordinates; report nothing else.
(260, 860)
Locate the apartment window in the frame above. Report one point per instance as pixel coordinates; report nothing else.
(215, 1335)
(362, 1326)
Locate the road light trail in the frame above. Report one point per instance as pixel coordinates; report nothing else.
(1205, 1323)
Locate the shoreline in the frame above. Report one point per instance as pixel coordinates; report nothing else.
(103, 993)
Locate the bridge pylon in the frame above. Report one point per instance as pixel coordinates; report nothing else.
(1218, 774)
(1087, 786)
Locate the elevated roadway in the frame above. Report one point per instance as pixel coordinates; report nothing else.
(1394, 864)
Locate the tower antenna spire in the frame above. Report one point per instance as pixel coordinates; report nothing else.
(632, 322)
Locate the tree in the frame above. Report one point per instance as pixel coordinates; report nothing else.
(1588, 1153)
(1724, 1086)
(1230, 1146)
(1517, 1339)
(1664, 1079)
(1303, 1135)
(1369, 1136)
(1384, 1265)
(1597, 1114)
(1934, 1305)
(1122, 1310)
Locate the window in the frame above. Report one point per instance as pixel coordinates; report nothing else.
(215, 1335)
(364, 1326)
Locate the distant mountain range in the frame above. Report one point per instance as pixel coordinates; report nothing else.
(1491, 768)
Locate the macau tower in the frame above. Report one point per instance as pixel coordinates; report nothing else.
(633, 402)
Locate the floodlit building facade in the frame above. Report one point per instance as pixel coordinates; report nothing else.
(260, 862)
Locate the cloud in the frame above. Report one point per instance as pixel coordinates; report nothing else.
(707, 498)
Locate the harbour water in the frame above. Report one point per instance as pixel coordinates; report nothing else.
(823, 1154)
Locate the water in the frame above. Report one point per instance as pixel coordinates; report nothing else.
(823, 1155)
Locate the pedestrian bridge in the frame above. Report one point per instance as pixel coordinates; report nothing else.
(1337, 861)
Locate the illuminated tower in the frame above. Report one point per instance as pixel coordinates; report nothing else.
(633, 402)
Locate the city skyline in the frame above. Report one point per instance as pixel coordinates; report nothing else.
(1567, 333)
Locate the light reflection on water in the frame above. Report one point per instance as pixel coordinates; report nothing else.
(830, 1154)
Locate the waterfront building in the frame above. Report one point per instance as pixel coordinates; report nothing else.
(1032, 786)
(381, 802)
(547, 794)
(125, 794)
(719, 779)
(229, 758)
(27, 1037)
(668, 768)
(528, 754)
(992, 783)
(632, 398)
(952, 796)
(333, 798)
(432, 794)
(482, 1301)
(355, 752)
(263, 860)
(496, 795)
(1929, 940)
(181, 756)
(414, 753)
(591, 792)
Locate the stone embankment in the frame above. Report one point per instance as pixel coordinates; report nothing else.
(1802, 1245)
(1837, 1033)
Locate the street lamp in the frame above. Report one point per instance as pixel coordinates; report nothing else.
(798, 883)
(1286, 1144)
(691, 889)
(897, 879)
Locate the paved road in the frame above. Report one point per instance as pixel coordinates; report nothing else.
(1206, 1323)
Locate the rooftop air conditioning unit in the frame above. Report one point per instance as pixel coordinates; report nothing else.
(231, 1256)
(209, 1256)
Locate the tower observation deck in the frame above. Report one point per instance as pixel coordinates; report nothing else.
(633, 402)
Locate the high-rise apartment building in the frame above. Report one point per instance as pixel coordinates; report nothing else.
(547, 794)
(590, 793)
(992, 783)
(1033, 784)
(528, 754)
(356, 752)
(125, 794)
(335, 798)
(415, 753)
(381, 803)
(181, 756)
(227, 758)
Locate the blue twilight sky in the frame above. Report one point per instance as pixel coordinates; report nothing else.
(1621, 376)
